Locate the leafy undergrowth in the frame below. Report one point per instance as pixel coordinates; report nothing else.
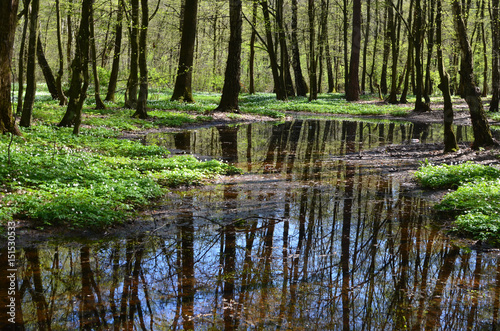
(476, 202)
(90, 180)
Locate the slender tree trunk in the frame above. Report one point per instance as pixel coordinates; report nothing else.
(450, 141)
(419, 104)
(22, 59)
(346, 43)
(374, 52)
(8, 21)
(182, 89)
(46, 70)
(79, 72)
(286, 77)
(300, 82)
(313, 93)
(409, 61)
(365, 45)
(231, 89)
(352, 93)
(387, 49)
(485, 53)
(29, 98)
(279, 84)
(141, 111)
(392, 27)
(97, 86)
(133, 78)
(430, 46)
(113, 78)
(251, 60)
(60, 72)
(480, 126)
(495, 56)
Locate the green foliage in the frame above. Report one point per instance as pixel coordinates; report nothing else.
(91, 180)
(476, 201)
(448, 176)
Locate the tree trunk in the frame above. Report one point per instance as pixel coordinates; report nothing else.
(480, 126)
(113, 78)
(182, 89)
(22, 59)
(313, 93)
(141, 111)
(60, 72)
(387, 49)
(8, 21)
(69, 42)
(79, 72)
(300, 82)
(352, 93)
(29, 98)
(279, 84)
(346, 50)
(251, 60)
(419, 104)
(231, 89)
(365, 45)
(430, 46)
(485, 54)
(392, 27)
(133, 78)
(286, 77)
(409, 58)
(495, 56)
(450, 141)
(97, 86)
(46, 70)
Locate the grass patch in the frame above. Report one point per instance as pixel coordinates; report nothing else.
(476, 202)
(91, 180)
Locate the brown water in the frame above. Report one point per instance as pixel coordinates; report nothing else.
(306, 240)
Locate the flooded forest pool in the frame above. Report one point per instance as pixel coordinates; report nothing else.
(305, 240)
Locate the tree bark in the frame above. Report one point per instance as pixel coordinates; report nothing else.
(79, 72)
(97, 86)
(182, 89)
(419, 104)
(313, 93)
(300, 82)
(141, 111)
(60, 72)
(450, 141)
(133, 78)
(22, 59)
(231, 89)
(409, 61)
(113, 78)
(430, 46)
(352, 93)
(480, 126)
(495, 56)
(251, 60)
(29, 98)
(8, 21)
(46, 70)
(385, 56)
(365, 45)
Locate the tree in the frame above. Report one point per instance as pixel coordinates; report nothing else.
(300, 82)
(251, 60)
(182, 89)
(480, 126)
(29, 98)
(417, 42)
(62, 97)
(352, 91)
(231, 89)
(8, 21)
(495, 56)
(113, 78)
(313, 82)
(450, 141)
(141, 110)
(97, 86)
(79, 72)
(133, 78)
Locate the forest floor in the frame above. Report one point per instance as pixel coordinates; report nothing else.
(399, 161)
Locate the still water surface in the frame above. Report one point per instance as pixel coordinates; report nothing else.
(305, 240)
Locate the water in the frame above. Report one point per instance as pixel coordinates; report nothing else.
(309, 238)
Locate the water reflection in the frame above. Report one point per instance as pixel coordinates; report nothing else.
(306, 241)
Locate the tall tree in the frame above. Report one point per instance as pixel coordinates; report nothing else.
(141, 110)
(22, 59)
(480, 126)
(60, 72)
(182, 89)
(50, 80)
(417, 42)
(8, 21)
(450, 141)
(97, 86)
(133, 78)
(231, 89)
(300, 82)
(79, 72)
(313, 82)
(115, 67)
(365, 45)
(29, 98)
(495, 56)
(352, 92)
(251, 60)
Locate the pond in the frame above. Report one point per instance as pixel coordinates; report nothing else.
(305, 239)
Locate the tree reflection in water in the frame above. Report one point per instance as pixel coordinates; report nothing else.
(309, 241)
